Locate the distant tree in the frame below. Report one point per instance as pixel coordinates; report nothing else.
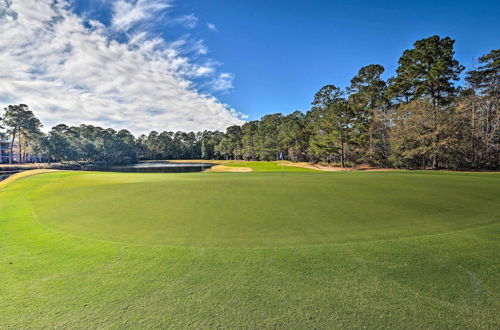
(21, 121)
(124, 151)
(191, 146)
(294, 136)
(153, 145)
(209, 142)
(30, 140)
(327, 95)
(427, 71)
(339, 130)
(418, 136)
(249, 140)
(224, 148)
(368, 90)
(84, 138)
(141, 148)
(164, 145)
(60, 143)
(486, 79)
(480, 112)
(320, 147)
(230, 145)
(268, 144)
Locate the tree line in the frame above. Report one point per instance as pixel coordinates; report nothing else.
(416, 119)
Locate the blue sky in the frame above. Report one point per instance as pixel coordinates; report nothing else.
(282, 52)
(192, 65)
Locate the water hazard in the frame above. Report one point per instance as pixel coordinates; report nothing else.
(142, 167)
(153, 167)
(5, 174)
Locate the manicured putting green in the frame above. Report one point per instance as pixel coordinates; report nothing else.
(250, 251)
(264, 209)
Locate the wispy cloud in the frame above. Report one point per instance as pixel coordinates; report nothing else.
(212, 27)
(223, 82)
(74, 72)
(190, 21)
(126, 14)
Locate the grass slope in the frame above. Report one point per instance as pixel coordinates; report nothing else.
(254, 166)
(250, 250)
(268, 166)
(262, 209)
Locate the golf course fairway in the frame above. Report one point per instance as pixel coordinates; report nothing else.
(303, 250)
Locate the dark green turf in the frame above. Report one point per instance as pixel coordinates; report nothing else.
(275, 166)
(250, 250)
(263, 209)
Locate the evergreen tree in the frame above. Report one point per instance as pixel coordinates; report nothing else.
(21, 121)
(367, 90)
(427, 70)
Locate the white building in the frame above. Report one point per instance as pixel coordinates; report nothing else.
(4, 151)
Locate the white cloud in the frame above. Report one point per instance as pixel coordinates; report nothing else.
(73, 74)
(200, 47)
(204, 70)
(126, 13)
(212, 27)
(223, 82)
(190, 21)
(5, 11)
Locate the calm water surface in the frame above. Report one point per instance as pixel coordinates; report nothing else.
(144, 167)
(153, 167)
(5, 174)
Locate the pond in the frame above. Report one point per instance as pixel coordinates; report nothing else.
(153, 167)
(142, 167)
(5, 174)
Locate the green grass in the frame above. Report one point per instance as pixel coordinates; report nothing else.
(262, 166)
(250, 250)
